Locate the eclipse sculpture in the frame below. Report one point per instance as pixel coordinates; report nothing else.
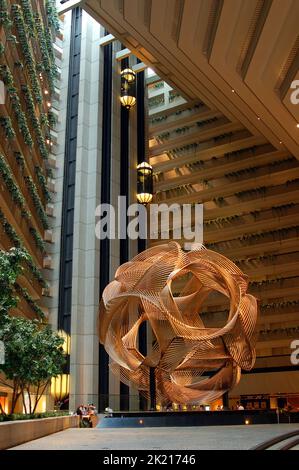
(166, 287)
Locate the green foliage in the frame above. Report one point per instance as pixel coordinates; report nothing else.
(15, 239)
(8, 128)
(4, 14)
(33, 355)
(53, 18)
(37, 202)
(12, 187)
(43, 183)
(20, 25)
(24, 292)
(2, 48)
(28, 17)
(52, 119)
(10, 269)
(6, 76)
(35, 122)
(20, 160)
(48, 60)
(44, 119)
(23, 417)
(40, 244)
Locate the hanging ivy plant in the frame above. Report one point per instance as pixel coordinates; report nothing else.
(49, 173)
(4, 14)
(35, 122)
(8, 128)
(24, 292)
(44, 120)
(37, 202)
(43, 183)
(38, 240)
(52, 119)
(20, 160)
(6, 76)
(15, 239)
(12, 187)
(53, 19)
(28, 17)
(2, 49)
(10, 231)
(26, 49)
(48, 65)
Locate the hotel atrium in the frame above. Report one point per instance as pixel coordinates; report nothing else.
(161, 102)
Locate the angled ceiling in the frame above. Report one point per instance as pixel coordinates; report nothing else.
(237, 56)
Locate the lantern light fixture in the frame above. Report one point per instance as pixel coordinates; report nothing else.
(128, 88)
(128, 101)
(128, 74)
(144, 183)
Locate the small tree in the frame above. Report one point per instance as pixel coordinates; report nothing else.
(33, 355)
(10, 268)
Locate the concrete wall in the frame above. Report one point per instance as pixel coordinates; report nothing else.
(13, 433)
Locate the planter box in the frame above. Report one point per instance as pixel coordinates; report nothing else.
(13, 433)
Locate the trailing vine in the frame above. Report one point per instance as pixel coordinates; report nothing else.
(7, 78)
(4, 14)
(43, 183)
(26, 49)
(37, 202)
(35, 122)
(28, 17)
(12, 187)
(20, 160)
(7, 126)
(13, 236)
(39, 242)
(53, 19)
(48, 64)
(24, 292)
(52, 119)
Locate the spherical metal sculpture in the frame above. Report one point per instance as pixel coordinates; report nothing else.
(193, 363)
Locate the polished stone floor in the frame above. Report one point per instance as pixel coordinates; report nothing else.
(205, 437)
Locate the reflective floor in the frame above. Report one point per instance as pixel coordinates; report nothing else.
(208, 437)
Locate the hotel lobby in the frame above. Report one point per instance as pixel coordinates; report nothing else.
(149, 255)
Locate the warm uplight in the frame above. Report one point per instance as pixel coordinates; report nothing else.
(297, 125)
(60, 386)
(128, 101)
(247, 421)
(67, 341)
(49, 104)
(144, 198)
(128, 74)
(46, 92)
(141, 421)
(144, 183)
(48, 142)
(128, 88)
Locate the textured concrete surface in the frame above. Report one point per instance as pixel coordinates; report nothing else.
(209, 437)
(13, 433)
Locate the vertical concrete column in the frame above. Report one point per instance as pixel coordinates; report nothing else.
(85, 281)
